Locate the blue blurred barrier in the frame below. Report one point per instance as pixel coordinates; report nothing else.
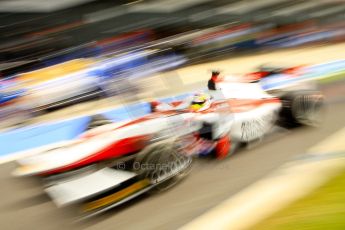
(128, 112)
(35, 136)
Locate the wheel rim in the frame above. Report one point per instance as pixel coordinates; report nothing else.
(167, 166)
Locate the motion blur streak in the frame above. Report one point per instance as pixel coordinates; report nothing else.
(106, 103)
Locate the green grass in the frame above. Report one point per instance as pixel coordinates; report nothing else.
(333, 78)
(324, 209)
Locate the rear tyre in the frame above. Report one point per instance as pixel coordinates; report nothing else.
(302, 108)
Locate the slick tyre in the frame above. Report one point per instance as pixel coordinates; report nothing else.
(162, 164)
(302, 108)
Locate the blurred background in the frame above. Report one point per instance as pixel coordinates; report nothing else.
(98, 47)
(37, 33)
(67, 58)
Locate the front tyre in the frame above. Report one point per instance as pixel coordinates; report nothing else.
(162, 164)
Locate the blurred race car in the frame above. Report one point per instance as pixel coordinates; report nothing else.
(239, 113)
(112, 163)
(228, 121)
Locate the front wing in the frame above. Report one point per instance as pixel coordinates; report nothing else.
(99, 191)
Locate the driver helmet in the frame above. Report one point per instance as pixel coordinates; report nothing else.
(200, 102)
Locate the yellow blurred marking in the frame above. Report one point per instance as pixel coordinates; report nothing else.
(116, 196)
(52, 72)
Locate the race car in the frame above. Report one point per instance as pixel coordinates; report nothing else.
(111, 163)
(228, 121)
(239, 113)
